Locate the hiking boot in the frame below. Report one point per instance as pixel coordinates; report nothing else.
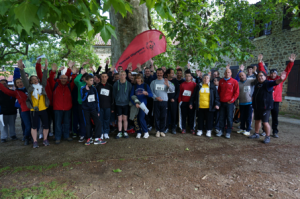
(240, 131)
(57, 141)
(157, 134)
(174, 131)
(88, 142)
(208, 133)
(119, 135)
(199, 132)
(219, 134)
(125, 134)
(138, 135)
(46, 143)
(263, 134)
(81, 139)
(193, 131)
(246, 133)
(227, 135)
(183, 131)
(275, 135)
(146, 135)
(99, 141)
(3, 140)
(106, 136)
(254, 136)
(267, 140)
(162, 134)
(35, 145)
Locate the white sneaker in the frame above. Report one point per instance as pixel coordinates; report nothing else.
(146, 135)
(125, 135)
(240, 131)
(101, 137)
(50, 134)
(41, 136)
(138, 136)
(162, 134)
(157, 134)
(208, 134)
(106, 136)
(199, 132)
(246, 133)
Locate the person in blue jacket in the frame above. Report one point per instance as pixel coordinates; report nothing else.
(142, 91)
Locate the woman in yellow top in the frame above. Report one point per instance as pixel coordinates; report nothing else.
(37, 102)
(206, 100)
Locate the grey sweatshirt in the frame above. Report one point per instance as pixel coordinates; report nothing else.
(246, 91)
(159, 89)
(122, 93)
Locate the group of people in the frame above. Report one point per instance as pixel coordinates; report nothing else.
(91, 105)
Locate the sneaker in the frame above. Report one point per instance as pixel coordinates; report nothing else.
(138, 136)
(81, 139)
(219, 134)
(174, 131)
(74, 135)
(101, 137)
(41, 136)
(149, 128)
(263, 134)
(275, 135)
(193, 131)
(162, 134)
(208, 134)
(69, 139)
(254, 136)
(199, 132)
(99, 141)
(91, 140)
(146, 135)
(157, 134)
(183, 131)
(88, 142)
(227, 135)
(57, 141)
(14, 137)
(240, 131)
(166, 131)
(125, 134)
(106, 136)
(35, 145)
(3, 140)
(246, 133)
(50, 134)
(46, 143)
(119, 135)
(267, 140)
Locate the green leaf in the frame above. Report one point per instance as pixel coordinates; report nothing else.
(160, 10)
(79, 27)
(94, 6)
(107, 5)
(187, 149)
(88, 24)
(150, 3)
(4, 6)
(26, 14)
(117, 170)
(42, 11)
(106, 32)
(58, 12)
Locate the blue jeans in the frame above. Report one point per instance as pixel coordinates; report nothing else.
(246, 117)
(62, 123)
(25, 116)
(105, 119)
(226, 114)
(141, 121)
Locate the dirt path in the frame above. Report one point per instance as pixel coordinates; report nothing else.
(178, 166)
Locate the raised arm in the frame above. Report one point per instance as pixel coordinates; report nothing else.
(23, 75)
(290, 65)
(237, 77)
(38, 69)
(260, 63)
(45, 72)
(8, 91)
(17, 73)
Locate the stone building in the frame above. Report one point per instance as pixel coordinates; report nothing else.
(101, 49)
(277, 42)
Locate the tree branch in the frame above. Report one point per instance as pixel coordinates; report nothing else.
(67, 54)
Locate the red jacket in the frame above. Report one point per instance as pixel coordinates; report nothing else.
(186, 86)
(277, 90)
(18, 94)
(62, 97)
(228, 90)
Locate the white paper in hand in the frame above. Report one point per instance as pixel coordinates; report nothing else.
(42, 56)
(144, 108)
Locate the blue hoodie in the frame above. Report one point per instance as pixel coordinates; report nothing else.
(137, 91)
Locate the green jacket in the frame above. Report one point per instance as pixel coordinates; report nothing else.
(79, 84)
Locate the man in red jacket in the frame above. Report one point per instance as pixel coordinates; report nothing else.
(62, 103)
(277, 90)
(186, 90)
(228, 91)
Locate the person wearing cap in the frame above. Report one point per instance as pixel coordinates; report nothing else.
(263, 103)
(277, 90)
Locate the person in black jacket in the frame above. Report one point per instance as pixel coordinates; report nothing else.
(106, 100)
(172, 102)
(206, 100)
(9, 112)
(262, 103)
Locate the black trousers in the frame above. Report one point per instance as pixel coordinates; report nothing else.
(274, 113)
(172, 113)
(88, 115)
(216, 119)
(186, 111)
(51, 118)
(160, 115)
(149, 118)
(208, 116)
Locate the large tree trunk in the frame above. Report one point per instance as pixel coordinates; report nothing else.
(127, 28)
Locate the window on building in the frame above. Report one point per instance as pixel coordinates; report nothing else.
(287, 17)
(294, 80)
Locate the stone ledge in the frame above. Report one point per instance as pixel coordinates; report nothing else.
(259, 38)
(294, 29)
(292, 98)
